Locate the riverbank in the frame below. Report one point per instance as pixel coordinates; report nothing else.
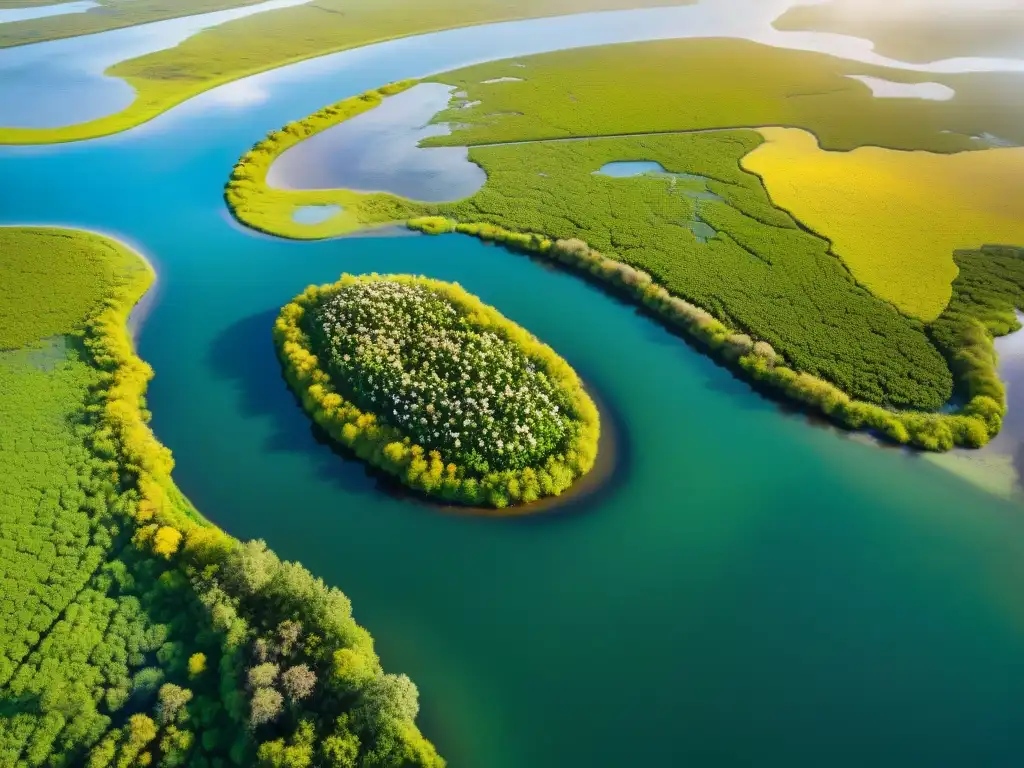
(141, 528)
(226, 53)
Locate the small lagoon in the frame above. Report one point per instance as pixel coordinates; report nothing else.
(378, 151)
(315, 214)
(686, 184)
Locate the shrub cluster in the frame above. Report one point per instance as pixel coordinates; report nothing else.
(391, 367)
(758, 361)
(407, 353)
(138, 634)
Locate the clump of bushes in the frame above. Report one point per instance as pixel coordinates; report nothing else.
(160, 639)
(972, 427)
(422, 380)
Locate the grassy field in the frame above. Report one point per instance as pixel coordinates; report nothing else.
(111, 14)
(909, 31)
(132, 632)
(274, 38)
(895, 218)
(678, 85)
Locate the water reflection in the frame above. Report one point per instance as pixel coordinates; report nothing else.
(61, 82)
(44, 11)
(887, 89)
(377, 152)
(315, 214)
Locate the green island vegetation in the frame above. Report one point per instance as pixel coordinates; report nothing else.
(650, 87)
(108, 15)
(908, 31)
(272, 39)
(988, 289)
(424, 381)
(762, 277)
(136, 633)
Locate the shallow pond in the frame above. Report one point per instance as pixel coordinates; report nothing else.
(685, 184)
(748, 590)
(378, 151)
(315, 214)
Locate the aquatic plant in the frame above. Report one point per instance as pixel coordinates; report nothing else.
(422, 380)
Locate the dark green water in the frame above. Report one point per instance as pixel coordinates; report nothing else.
(748, 590)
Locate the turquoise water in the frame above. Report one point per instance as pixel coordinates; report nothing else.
(749, 589)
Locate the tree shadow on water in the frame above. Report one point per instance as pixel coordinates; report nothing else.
(244, 354)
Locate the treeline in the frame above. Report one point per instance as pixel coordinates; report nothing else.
(758, 361)
(986, 293)
(168, 643)
(373, 440)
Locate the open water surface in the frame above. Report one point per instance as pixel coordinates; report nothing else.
(61, 82)
(748, 589)
(44, 11)
(378, 151)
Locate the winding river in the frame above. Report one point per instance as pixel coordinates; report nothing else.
(748, 589)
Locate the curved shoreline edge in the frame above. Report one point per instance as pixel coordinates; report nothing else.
(756, 362)
(160, 522)
(150, 103)
(256, 205)
(388, 449)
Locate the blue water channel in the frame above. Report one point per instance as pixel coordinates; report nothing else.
(747, 589)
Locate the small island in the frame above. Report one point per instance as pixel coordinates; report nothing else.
(424, 381)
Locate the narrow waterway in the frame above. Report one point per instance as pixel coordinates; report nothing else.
(750, 590)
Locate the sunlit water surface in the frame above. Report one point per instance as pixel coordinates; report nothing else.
(749, 589)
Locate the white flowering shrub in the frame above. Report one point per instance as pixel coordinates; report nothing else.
(427, 383)
(409, 355)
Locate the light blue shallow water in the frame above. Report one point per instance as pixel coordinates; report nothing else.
(315, 214)
(748, 590)
(8, 15)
